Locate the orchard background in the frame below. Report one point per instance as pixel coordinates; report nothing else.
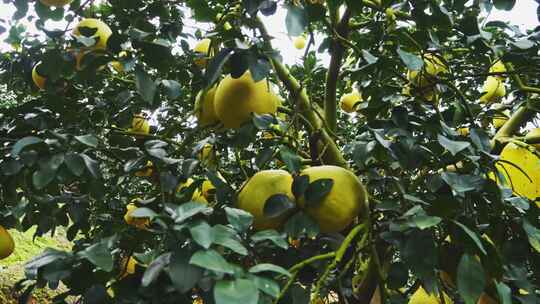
(433, 108)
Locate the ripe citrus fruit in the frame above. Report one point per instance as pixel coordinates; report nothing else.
(346, 200)
(147, 171)
(236, 99)
(127, 267)
(203, 52)
(299, 42)
(7, 245)
(500, 119)
(498, 67)
(141, 223)
(55, 2)
(534, 133)
(93, 28)
(493, 90)
(349, 101)
(433, 66)
(258, 189)
(139, 125)
(524, 181)
(197, 196)
(39, 80)
(204, 108)
(420, 296)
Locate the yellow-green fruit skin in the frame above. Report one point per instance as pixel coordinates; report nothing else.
(103, 31)
(258, 189)
(493, 89)
(140, 125)
(346, 200)
(202, 49)
(420, 296)
(7, 245)
(236, 99)
(300, 43)
(522, 160)
(55, 2)
(350, 100)
(498, 67)
(39, 80)
(204, 108)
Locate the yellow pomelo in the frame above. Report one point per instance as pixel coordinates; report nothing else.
(197, 196)
(55, 2)
(207, 155)
(347, 198)
(208, 189)
(202, 48)
(259, 188)
(147, 171)
(349, 101)
(101, 34)
(141, 223)
(463, 131)
(39, 80)
(420, 296)
(498, 67)
(204, 107)
(433, 66)
(500, 119)
(140, 125)
(236, 99)
(117, 65)
(7, 245)
(299, 42)
(127, 267)
(493, 90)
(528, 162)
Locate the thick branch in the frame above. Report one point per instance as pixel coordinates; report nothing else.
(337, 51)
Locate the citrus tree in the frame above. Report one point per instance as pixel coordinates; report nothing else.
(402, 170)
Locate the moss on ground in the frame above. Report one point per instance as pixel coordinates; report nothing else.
(26, 247)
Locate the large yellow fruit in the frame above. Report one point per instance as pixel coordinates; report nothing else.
(493, 90)
(117, 65)
(515, 179)
(299, 42)
(500, 119)
(101, 34)
(420, 296)
(6, 243)
(498, 67)
(347, 198)
(140, 125)
(202, 49)
(197, 196)
(534, 133)
(55, 2)
(259, 188)
(433, 66)
(349, 101)
(141, 223)
(127, 267)
(39, 80)
(236, 99)
(147, 171)
(204, 108)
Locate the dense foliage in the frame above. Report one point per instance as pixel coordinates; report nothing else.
(70, 155)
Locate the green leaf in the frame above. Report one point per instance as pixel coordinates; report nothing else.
(277, 205)
(48, 256)
(11, 167)
(145, 86)
(296, 20)
(143, 212)
(413, 62)
(470, 279)
(75, 164)
(268, 286)
(263, 121)
(190, 209)
(88, 139)
(291, 159)
(228, 238)
(172, 88)
(504, 292)
(155, 268)
(100, 255)
(41, 178)
(183, 275)
(279, 239)
(300, 185)
(215, 66)
(202, 233)
(533, 234)
(23, 143)
(452, 146)
(368, 57)
(301, 224)
(425, 221)
(462, 182)
(473, 236)
(234, 292)
(317, 191)
(241, 220)
(504, 4)
(259, 68)
(266, 267)
(210, 259)
(91, 165)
